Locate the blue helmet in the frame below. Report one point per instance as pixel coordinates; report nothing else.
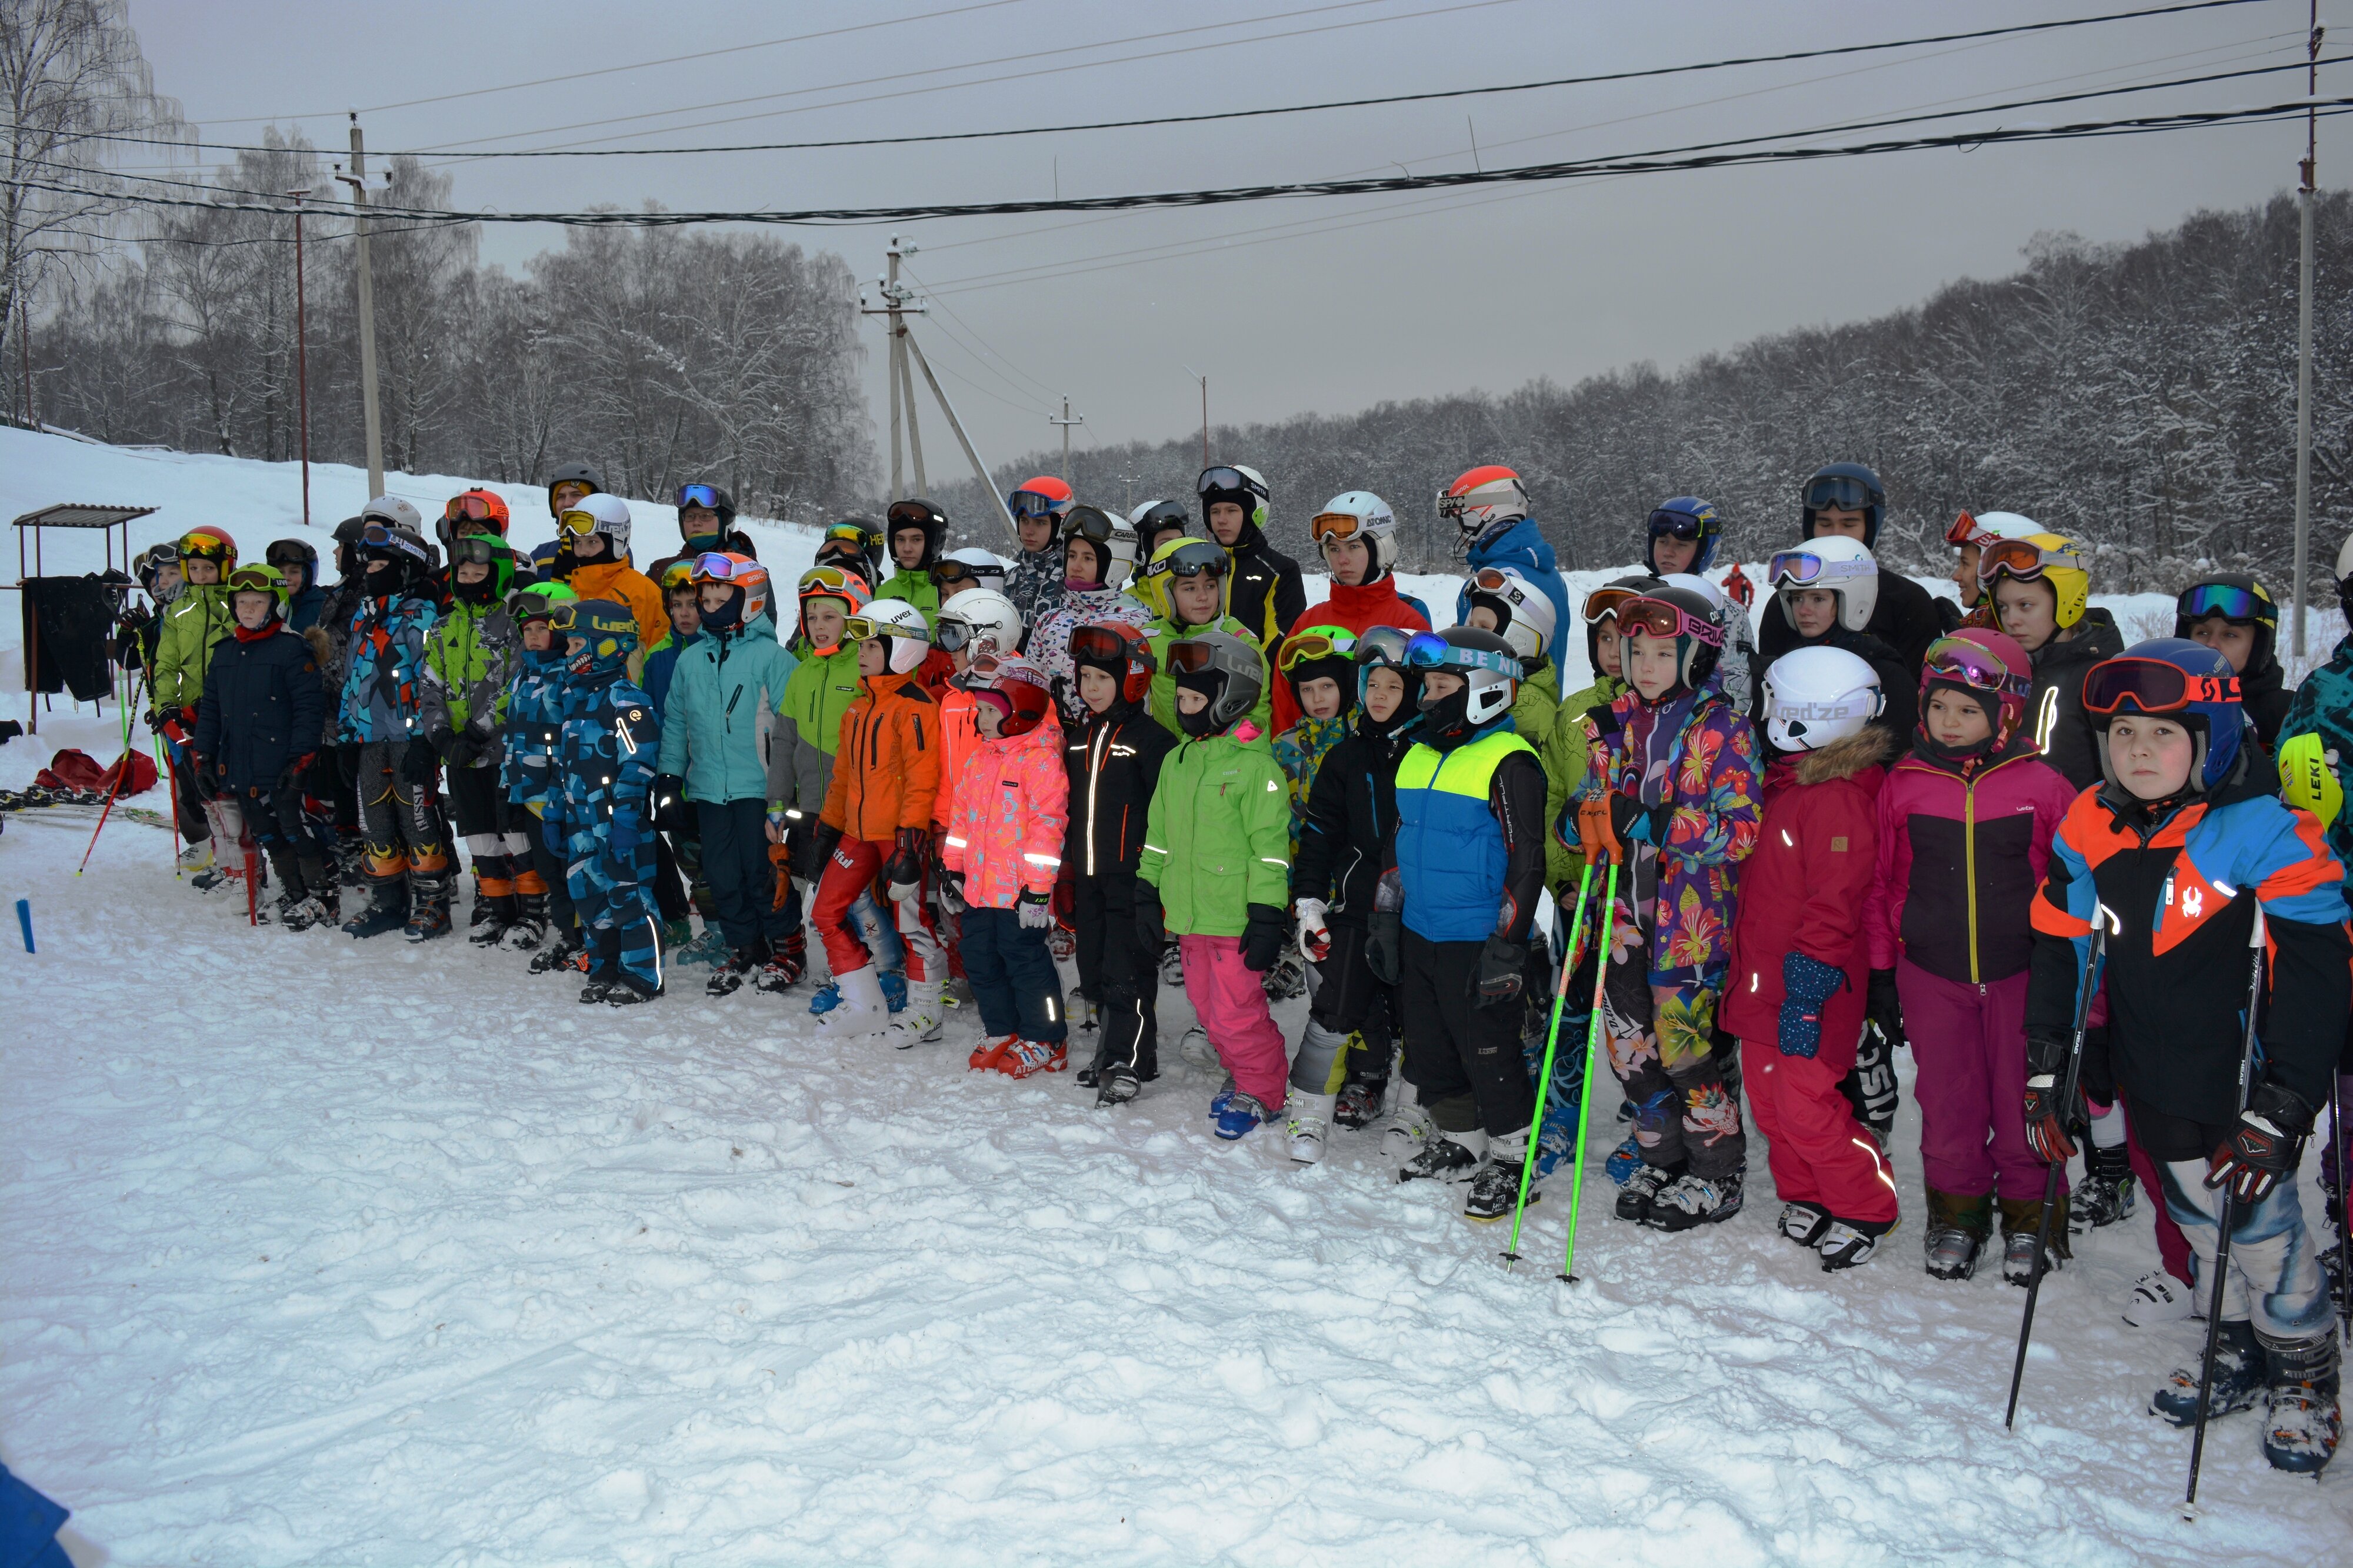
(2205, 701)
(1685, 517)
(1846, 485)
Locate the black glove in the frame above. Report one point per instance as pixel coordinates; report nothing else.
(2050, 1126)
(1635, 823)
(419, 764)
(1262, 938)
(292, 773)
(1502, 972)
(1382, 941)
(206, 775)
(669, 802)
(2262, 1150)
(1883, 1007)
(903, 874)
(822, 842)
(449, 746)
(951, 886)
(1151, 925)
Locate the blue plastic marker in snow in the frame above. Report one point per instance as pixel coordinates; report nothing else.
(24, 920)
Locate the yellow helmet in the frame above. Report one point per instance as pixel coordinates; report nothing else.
(1182, 557)
(2051, 558)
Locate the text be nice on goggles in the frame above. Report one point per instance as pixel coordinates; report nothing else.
(2151, 686)
(1658, 619)
(2204, 600)
(1427, 651)
(1959, 660)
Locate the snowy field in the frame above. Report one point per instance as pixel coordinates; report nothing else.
(333, 1253)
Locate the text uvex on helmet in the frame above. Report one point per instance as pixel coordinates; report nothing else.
(2051, 558)
(747, 578)
(1850, 486)
(600, 513)
(571, 474)
(2174, 678)
(918, 513)
(1491, 676)
(1814, 696)
(1114, 538)
(1043, 497)
(906, 636)
(1686, 517)
(1524, 616)
(1235, 483)
(1845, 567)
(1016, 687)
(1120, 651)
(1225, 670)
(1358, 515)
(978, 621)
(1483, 502)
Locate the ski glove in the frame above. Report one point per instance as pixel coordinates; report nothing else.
(2050, 1126)
(669, 802)
(1314, 931)
(1886, 1007)
(2262, 1150)
(1503, 971)
(1382, 944)
(1635, 823)
(1151, 925)
(1037, 909)
(1807, 985)
(951, 896)
(206, 775)
(292, 773)
(1262, 938)
(419, 764)
(904, 872)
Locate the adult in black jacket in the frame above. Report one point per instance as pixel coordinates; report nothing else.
(1264, 591)
(1847, 499)
(1114, 763)
(1343, 844)
(258, 728)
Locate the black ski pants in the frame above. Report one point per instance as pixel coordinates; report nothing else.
(1116, 973)
(1463, 1061)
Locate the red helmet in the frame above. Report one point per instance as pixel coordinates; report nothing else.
(1016, 687)
(1118, 650)
(1044, 495)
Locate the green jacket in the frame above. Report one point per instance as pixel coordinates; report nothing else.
(470, 656)
(1162, 702)
(917, 589)
(1564, 761)
(193, 623)
(800, 755)
(1217, 837)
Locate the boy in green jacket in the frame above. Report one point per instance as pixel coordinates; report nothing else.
(1216, 867)
(199, 618)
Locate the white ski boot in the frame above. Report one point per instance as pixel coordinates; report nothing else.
(920, 1024)
(1311, 1120)
(861, 1010)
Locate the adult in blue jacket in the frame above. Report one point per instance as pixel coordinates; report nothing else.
(1490, 506)
(719, 719)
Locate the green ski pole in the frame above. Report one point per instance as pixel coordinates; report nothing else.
(1585, 1099)
(1543, 1074)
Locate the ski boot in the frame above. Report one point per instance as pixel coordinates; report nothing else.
(1623, 1161)
(628, 990)
(1849, 1243)
(1242, 1113)
(989, 1054)
(212, 879)
(530, 928)
(196, 857)
(386, 910)
(894, 990)
(1358, 1105)
(1024, 1059)
(710, 948)
(1957, 1228)
(859, 1009)
(1172, 965)
(1495, 1187)
(2021, 1218)
(728, 975)
(676, 934)
(2303, 1425)
(1449, 1157)
(1117, 1087)
(925, 1015)
(562, 952)
(487, 924)
(598, 990)
(308, 912)
(2157, 1297)
(2239, 1375)
(429, 906)
(1804, 1223)
(2106, 1194)
(1642, 1187)
(1311, 1117)
(787, 961)
(1689, 1202)
(1218, 1100)
(1409, 1129)
(351, 860)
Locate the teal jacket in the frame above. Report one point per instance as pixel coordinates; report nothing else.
(720, 715)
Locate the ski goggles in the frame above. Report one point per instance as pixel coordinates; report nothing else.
(947, 572)
(866, 629)
(718, 566)
(1192, 657)
(1972, 665)
(480, 549)
(1168, 514)
(164, 555)
(288, 554)
(1028, 506)
(531, 603)
(377, 536)
(1315, 642)
(1382, 644)
(203, 544)
(1658, 619)
(704, 496)
(2151, 686)
(911, 514)
(1964, 530)
(1213, 480)
(1841, 490)
(1103, 644)
(473, 507)
(677, 574)
(1338, 525)
(1498, 584)
(856, 534)
(835, 581)
(1684, 525)
(1194, 558)
(953, 634)
(1603, 604)
(576, 522)
(1428, 650)
(253, 579)
(1804, 569)
(2204, 600)
(994, 668)
(2022, 559)
(1089, 522)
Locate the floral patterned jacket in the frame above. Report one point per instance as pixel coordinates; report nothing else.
(1698, 756)
(1301, 750)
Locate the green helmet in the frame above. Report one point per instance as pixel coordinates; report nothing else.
(536, 601)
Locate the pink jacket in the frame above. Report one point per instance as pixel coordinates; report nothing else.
(1012, 805)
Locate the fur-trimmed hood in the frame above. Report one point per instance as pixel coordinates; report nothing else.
(1865, 748)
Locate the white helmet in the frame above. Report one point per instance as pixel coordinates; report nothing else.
(1706, 590)
(1359, 514)
(905, 635)
(978, 621)
(1483, 501)
(1818, 695)
(612, 517)
(1844, 566)
(1112, 537)
(395, 512)
(988, 569)
(1524, 613)
(1994, 525)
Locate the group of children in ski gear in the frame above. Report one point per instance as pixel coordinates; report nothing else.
(1882, 819)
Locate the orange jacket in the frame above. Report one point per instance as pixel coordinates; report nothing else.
(959, 739)
(624, 583)
(887, 771)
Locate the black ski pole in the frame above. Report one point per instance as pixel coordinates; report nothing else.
(2088, 987)
(2229, 1215)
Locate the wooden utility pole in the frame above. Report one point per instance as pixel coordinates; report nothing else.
(2304, 334)
(357, 180)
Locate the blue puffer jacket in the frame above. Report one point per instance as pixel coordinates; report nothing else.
(534, 723)
(384, 686)
(605, 764)
(263, 705)
(1523, 548)
(720, 715)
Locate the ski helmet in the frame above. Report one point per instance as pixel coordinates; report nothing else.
(1814, 696)
(2344, 576)
(1667, 611)
(747, 579)
(2050, 558)
(978, 621)
(1986, 666)
(1224, 668)
(487, 550)
(915, 512)
(1043, 497)
(575, 474)
(149, 567)
(1114, 546)
(1354, 515)
(968, 565)
(1687, 518)
(2175, 678)
(208, 543)
(1120, 651)
(608, 630)
(1244, 486)
(1603, 604)
(1524, 613)
(1385, 648)
(1983, 528)
(401, 549)
(1843, 566)
(1181, 558)
(285, 553)
(537, 601)
(906, 637)
(855, 543)
(600, 513)
(710, 497)
(1849, 486)
(397, 511)
(2234, 597)
(470, 511)
(1155, 517)
(1483, 503)
(1491, 679)
(1320, 653)
(829, 582)
(258, 578)
(1016, 687)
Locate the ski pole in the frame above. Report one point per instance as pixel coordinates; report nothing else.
(1543, 1074)
(2101, 916)
(1585, 1096)
(2344, 1205)
(2222, 1239)
(121, 769)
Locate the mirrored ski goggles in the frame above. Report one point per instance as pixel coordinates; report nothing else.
(1194, 558)
(1214, 480)
(866, 629)
(1314, 643)
(1964, 530)
(1382, 644)
(1103, 644)
(1603, 604)
(1191, 658)
(2204, 600)
(990, 669)
(1973, 666)
(1027, 505)
(704, 496)
(480, 549)
(576, 522)
(1498, 584)
(1168, 514)
(247, 579)
(1803, 568)
(1841, 490)
(834, 579)
(719, 566)
(1428, 650)
(471, 506)
(677, 575)
(2151, 686)
(1658, 619)
(954, 634)
(911, 514)
(1338, 525)
(1684, 526)
(1088, 523)
(854, 533)
(2022, 559)
(284, 555)
(204, 544)
(947, 571)
(376, 536)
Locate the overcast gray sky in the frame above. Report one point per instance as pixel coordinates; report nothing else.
(1287, 306)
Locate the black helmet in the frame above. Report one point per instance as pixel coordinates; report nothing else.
(575, 473)
(915, 512)
(708, 495)
(1844, 485)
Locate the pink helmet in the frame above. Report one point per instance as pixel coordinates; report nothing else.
(1987, 665)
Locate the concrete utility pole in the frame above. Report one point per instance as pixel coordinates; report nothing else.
(1204, 414)
(302, 355)
(907, 357)
(1066, 422)
(2303, 334)
(357, 180)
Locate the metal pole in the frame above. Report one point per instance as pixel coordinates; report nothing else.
(302, 359)
(896, 371)
(357, 180)
(979, 469)
(2303, 334)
